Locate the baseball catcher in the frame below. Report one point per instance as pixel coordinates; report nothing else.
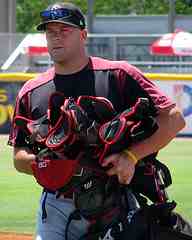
(89, 130)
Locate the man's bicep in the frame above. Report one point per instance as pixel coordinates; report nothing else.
(172, 118)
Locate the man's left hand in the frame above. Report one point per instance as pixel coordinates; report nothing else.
(121, 166)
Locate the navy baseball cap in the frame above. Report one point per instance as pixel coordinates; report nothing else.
(66, 13)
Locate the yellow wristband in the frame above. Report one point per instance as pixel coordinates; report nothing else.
(131, 156)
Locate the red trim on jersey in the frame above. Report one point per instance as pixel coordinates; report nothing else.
(160, 100)
(36, 82)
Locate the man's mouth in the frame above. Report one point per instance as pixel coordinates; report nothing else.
(56, 48)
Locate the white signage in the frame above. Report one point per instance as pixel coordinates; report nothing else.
(181, 94)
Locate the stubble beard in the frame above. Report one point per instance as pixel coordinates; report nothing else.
(59, 57)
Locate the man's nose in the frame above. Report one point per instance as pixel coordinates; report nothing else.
(57, 34)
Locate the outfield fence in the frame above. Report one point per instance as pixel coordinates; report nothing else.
(135, 48)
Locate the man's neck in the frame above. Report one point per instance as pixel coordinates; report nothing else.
(71, 67)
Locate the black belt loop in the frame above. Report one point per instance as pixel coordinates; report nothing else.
(44, 212)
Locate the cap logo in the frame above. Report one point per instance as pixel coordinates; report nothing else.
(81, 23)
(53, 14)
(56, 6)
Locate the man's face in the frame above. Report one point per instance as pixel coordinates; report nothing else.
(64, 41)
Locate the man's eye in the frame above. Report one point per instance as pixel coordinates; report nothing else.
(67, 29)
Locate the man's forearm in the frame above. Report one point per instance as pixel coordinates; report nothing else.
(170, 123)
(22, 160)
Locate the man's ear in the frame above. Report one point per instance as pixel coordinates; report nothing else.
(84, 34)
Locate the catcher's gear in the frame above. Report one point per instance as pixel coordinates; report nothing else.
(36, 130)
(148, 222)
(99, 109)
(126, 128)
(52, 170)
(87, 128)
(69, 131)
(78, 123)
(151, 178)
(156, 222)
(77, 129)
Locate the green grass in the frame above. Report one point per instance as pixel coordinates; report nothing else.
(178, 156)
(19, 193)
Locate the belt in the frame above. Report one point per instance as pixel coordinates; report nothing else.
(61, 195)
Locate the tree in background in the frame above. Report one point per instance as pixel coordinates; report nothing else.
(28, 10)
